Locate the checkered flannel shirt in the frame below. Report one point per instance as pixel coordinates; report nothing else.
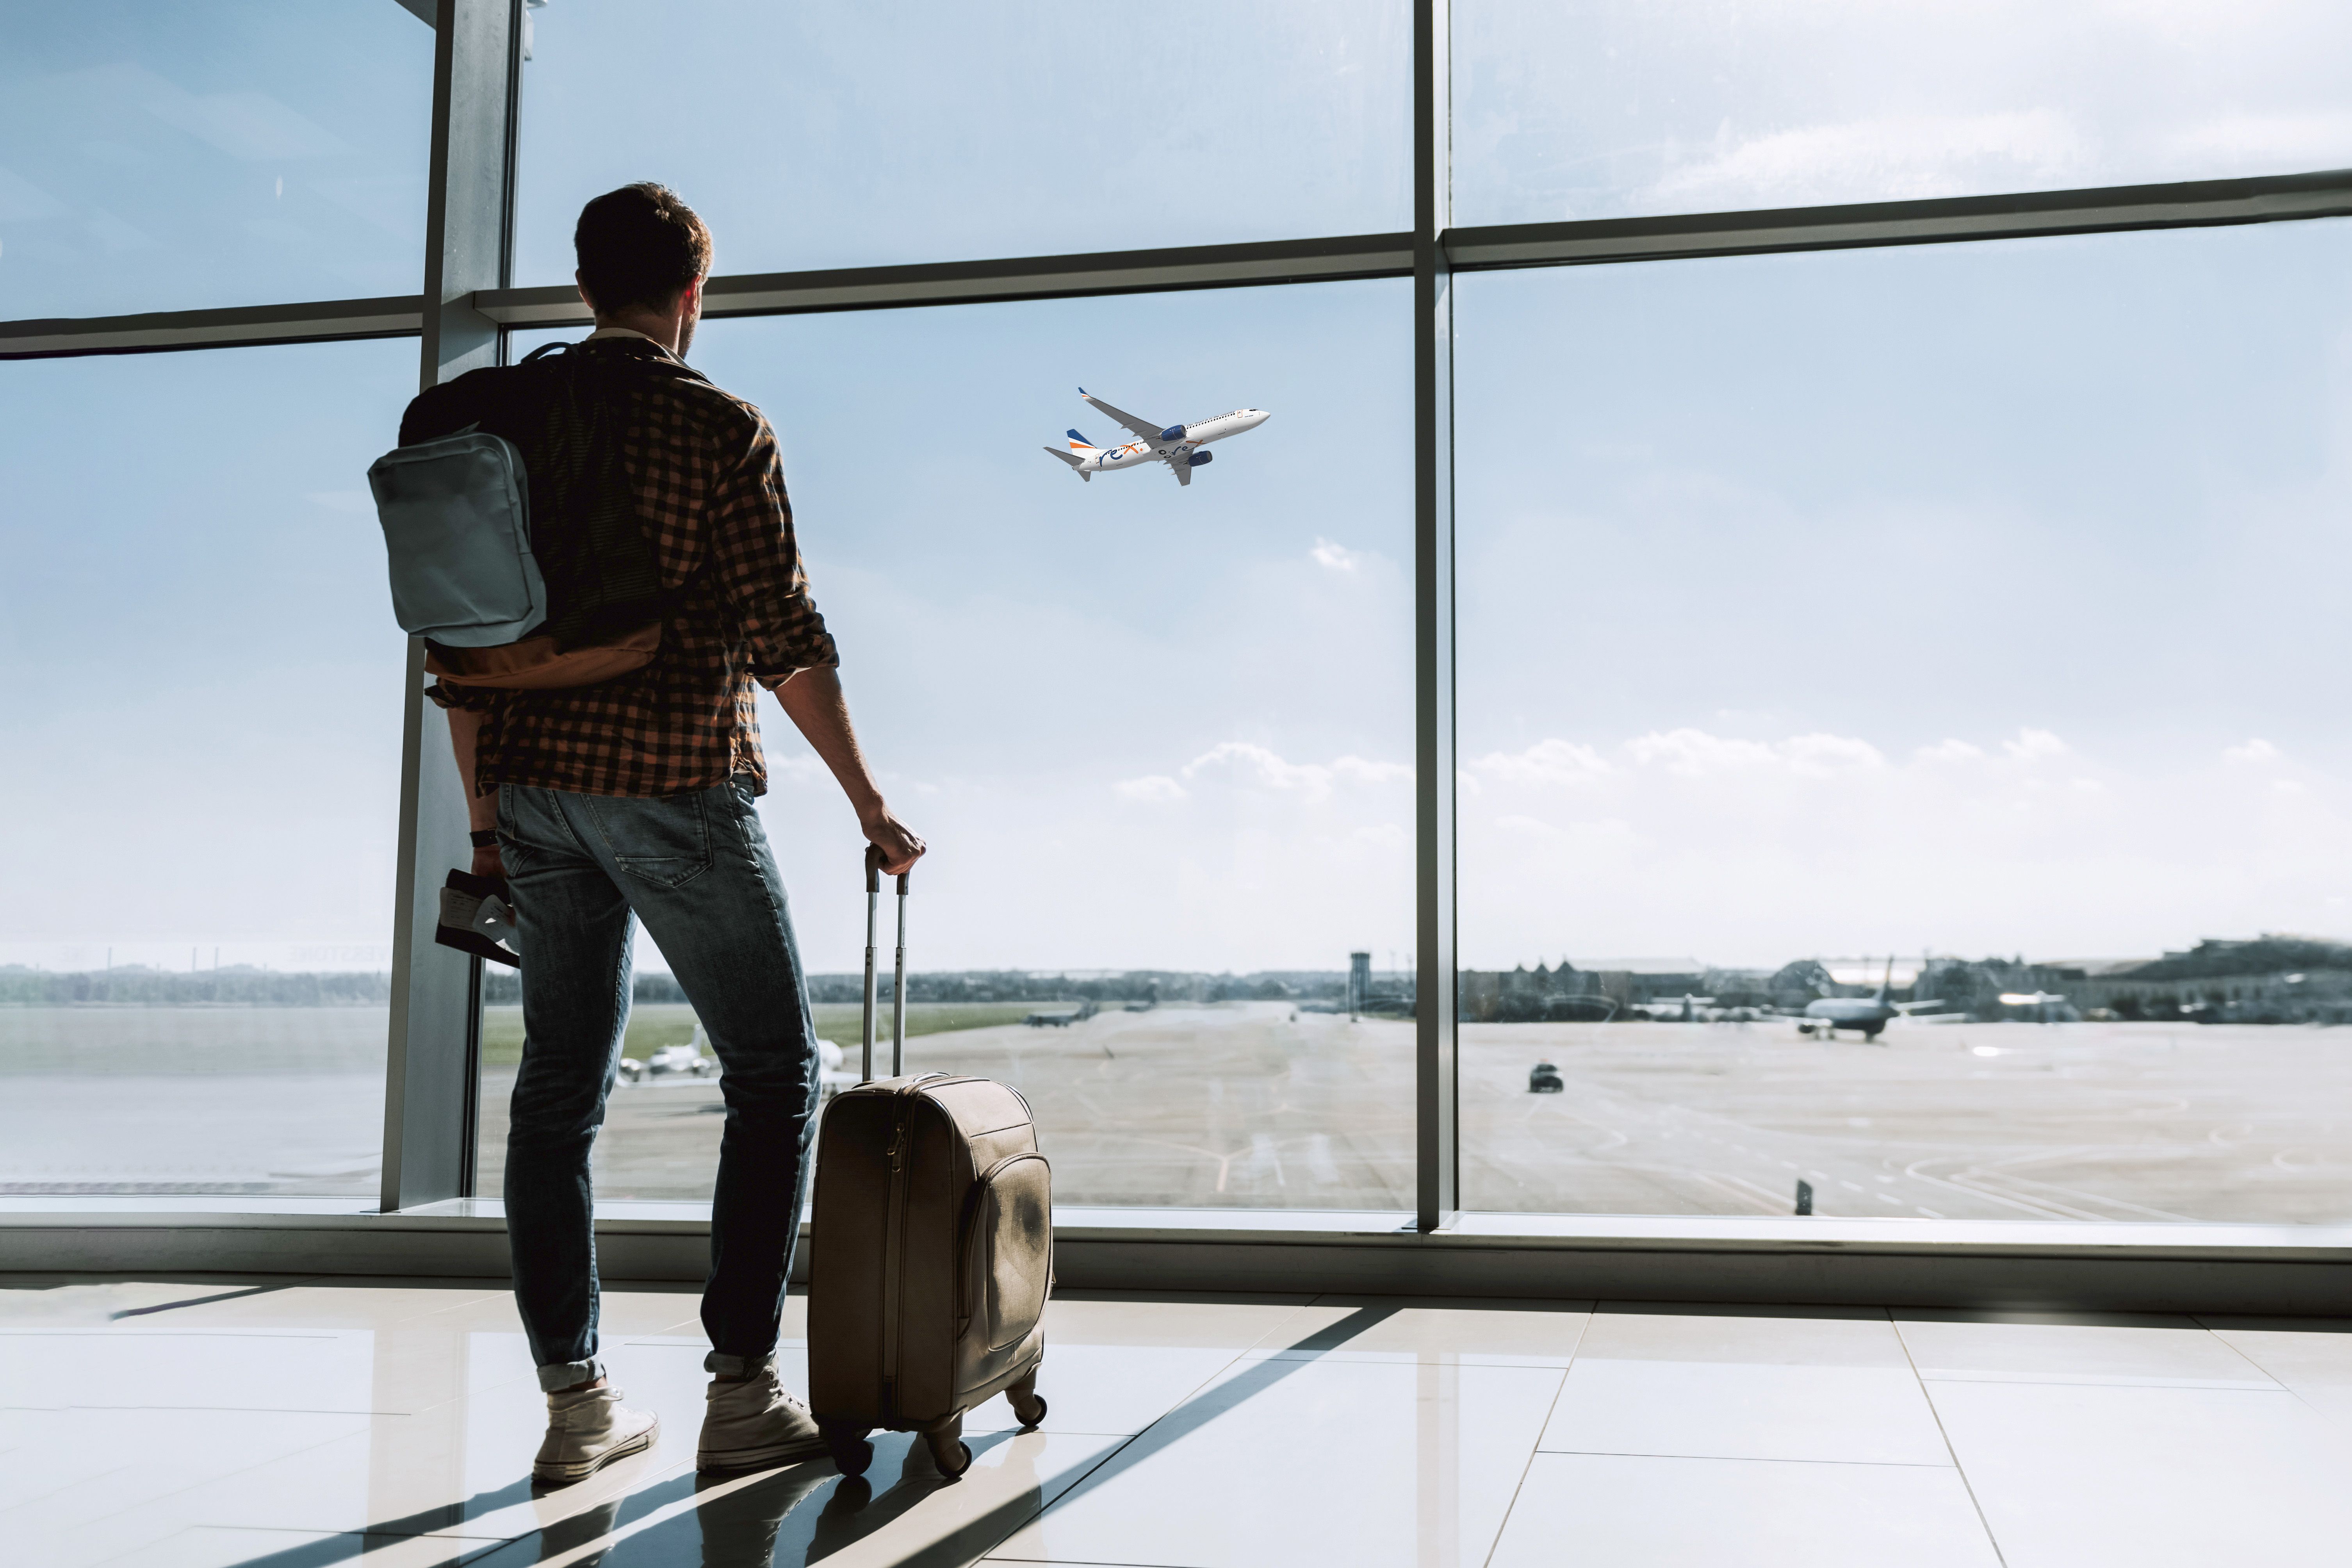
(710, 489)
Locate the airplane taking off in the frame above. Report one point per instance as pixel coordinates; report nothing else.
(1178, 446)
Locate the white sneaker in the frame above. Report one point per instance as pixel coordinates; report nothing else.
(753, 1422)
(588, 1428)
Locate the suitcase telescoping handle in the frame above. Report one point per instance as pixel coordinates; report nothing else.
(899, 971)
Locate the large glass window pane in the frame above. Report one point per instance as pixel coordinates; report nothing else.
(1956, 618)
(199, 766)
(1610, 108)
(169, 157)
(1159, 737)
(849, 135)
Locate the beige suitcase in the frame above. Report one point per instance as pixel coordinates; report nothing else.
(930, 1251)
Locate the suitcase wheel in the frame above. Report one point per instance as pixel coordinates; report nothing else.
(851, 1452)
(949, 1451)
(1031, 1413)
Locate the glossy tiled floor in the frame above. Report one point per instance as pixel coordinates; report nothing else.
(204, 1423)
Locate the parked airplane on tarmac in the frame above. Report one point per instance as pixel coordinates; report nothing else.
(1178, 446)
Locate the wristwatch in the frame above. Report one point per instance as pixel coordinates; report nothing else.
(485, 838)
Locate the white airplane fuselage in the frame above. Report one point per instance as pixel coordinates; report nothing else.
(1135, 454)
(1177, 446)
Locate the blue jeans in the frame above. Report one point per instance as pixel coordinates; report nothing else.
(695, 868)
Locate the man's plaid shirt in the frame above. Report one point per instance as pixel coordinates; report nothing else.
(711, 491)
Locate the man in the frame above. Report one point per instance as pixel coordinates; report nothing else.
(634, 797)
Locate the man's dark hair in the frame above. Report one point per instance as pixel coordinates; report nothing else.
(639, 245)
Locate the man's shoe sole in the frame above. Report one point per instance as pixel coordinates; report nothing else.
(760, 1458)
(581, 1469)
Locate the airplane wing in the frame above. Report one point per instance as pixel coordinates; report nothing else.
(1142, 429)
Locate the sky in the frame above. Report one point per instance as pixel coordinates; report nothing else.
(1974, 597)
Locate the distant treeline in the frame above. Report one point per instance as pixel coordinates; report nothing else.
(1020, 986)
(135, 985)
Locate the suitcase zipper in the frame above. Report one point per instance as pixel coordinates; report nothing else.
(894, 1245)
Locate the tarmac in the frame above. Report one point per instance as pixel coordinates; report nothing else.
(1258, 1105)
(1255, 1105)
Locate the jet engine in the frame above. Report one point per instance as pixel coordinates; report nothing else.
(1197, 459)
(1173, 433)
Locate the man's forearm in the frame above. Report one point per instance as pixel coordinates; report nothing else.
(465, 727)
(812, 700)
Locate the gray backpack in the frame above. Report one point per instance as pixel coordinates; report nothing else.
(514, 542)
(456, 523)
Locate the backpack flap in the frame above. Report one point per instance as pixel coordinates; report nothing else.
(457, 526)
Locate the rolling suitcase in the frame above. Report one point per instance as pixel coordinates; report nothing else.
(932, 1248)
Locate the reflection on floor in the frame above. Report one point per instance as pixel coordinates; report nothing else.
(204, 1423)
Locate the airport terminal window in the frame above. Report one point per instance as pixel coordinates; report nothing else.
(847, 135)
(1957, 616)
(1619, 107)
(199, 757)
(1160, 737)
(172, 157)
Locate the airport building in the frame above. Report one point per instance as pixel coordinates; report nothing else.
(1765, 485)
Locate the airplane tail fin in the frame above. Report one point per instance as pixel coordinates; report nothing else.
(1081, 440)
(1886, 985)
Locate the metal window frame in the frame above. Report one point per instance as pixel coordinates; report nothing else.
(469, 304)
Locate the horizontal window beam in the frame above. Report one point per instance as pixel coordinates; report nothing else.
(979, 282)
(2199, 204)
(240, 326)
(2050, 1264)
(2118, 209)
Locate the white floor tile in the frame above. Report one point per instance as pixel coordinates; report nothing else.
(1472, 1331)
(207, 1546)
(2313, 1362)
(1991, 1347)
(30, 1300)
(1577, 1510)
(333, 1304)
(2073, 1476)
(1195, 1321)
(86, 1467)
(1113, 1390)
(1288, 1462)
(1750, 1336)
(1852, 1415)
(146, 1368)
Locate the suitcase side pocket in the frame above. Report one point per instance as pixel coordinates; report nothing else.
(1008, 1252)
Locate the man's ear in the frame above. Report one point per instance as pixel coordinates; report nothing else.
(689, 299)
(583, 289)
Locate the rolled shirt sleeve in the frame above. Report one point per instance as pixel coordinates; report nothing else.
(449, 694)
(756, 564)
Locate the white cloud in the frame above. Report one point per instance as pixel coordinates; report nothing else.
(1333, 556)
(1886, 158)
(1253, 766)
(1754, 851)
(1154, 788)
(1356, 770)
(1545, 762)
(1695, 753)
(2322, 140)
